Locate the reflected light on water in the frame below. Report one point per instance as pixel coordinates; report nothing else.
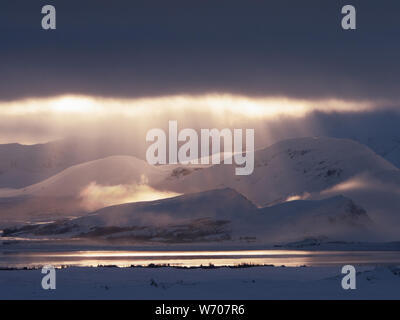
(178, 253)
(290, 258)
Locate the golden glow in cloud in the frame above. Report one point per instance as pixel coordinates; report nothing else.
(218, 104)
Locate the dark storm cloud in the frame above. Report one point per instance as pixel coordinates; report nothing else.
(143, 48)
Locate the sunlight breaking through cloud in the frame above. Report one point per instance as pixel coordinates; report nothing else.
(215, 103)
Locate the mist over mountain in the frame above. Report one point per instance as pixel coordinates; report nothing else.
(23, 165)
(307, 187)
(222, 216)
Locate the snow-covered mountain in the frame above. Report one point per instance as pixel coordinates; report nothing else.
(201, 216)
(333, 218)
(110, 171)
(24, 165)
(217, 215)
(379, 130)
(289, 169)
(83, 188)
(378, 193)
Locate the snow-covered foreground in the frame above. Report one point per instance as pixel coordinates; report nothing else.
(219, 283)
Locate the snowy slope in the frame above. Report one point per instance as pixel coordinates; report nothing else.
(332, 218)
(217, 215)
(185, 218)
(290, 168)
(378, 130)
(24, 165)
(115, 170)
(287, 169)
(378, 193)
(84, 188)
(306, 168)
(216, 204)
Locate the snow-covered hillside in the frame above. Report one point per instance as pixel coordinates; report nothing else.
(84, 188)
(217, 215)
(378, 130)
(378, 193)
(296, 169)
(336, 218)
(111, 171)
(289, 169)
(24, 165)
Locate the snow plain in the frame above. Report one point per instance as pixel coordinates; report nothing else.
(218, 283)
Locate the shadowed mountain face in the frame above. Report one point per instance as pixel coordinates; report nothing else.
(216, 215)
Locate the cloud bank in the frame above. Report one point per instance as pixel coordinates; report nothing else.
(140, 48)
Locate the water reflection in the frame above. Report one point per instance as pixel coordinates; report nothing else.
(288, 258)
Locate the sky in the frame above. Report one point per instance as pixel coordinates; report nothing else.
(223, 62)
